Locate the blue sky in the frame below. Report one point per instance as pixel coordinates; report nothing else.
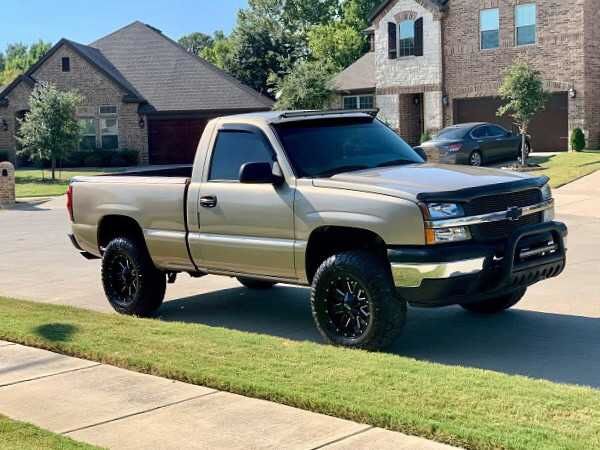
(86, 20)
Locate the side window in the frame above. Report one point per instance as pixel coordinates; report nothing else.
(480, 133)
(233, 149)
(494, 131)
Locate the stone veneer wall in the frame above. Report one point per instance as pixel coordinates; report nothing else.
(96, 89)
(558, 54)
(409, 75)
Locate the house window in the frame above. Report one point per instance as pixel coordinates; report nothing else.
(66, 64)
(88, 133)
(489, 23)
(105, 110)
(359, 102)
(109, 131)
(525, 20)
(406, 42)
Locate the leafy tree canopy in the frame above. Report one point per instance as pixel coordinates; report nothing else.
(308, 86)
(195, 43)
(50, 129)
(18, 58)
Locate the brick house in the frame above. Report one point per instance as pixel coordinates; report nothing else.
(142, 91)
(439, 62)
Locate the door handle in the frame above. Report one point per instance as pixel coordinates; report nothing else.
(210, 201)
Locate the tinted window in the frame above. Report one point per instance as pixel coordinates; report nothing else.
(495, 131)
(480, 132)
(452, 133)
(324, 148)
(525, 18)
(489, 22)
(233, 149)
(66, 65)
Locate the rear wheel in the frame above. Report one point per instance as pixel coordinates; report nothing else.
(132, 284)
(475, 159)
(498, 304)
(354, 301)
(253, 283)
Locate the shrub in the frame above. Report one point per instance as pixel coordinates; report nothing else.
(94, 159)
(426, 136)
(102, 158)
(577, 140)
(4, 155)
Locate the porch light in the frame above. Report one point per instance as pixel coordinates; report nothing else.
(4, 124)
(572, 93)
(142, 122)
(445, 100)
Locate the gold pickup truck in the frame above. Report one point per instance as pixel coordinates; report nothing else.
(333, 200)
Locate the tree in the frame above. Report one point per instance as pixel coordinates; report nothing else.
(336, 43)
(50, 130)
(308, 86)
(195, 43)
(18, 58)
(522, 92)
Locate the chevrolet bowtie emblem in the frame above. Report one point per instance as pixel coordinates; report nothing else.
(513, 214)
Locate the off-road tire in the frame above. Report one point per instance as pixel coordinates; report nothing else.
(253, 283)
(387, 310)
(150, 291)
(498, 304)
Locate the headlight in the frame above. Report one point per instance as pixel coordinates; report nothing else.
(440, 211)
(546, 192)
(444, 211)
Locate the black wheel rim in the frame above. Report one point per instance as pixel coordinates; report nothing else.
(348, 307)
(124, 279)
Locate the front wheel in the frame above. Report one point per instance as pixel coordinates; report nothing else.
(132, 284)
(496, 305)
(354, 301)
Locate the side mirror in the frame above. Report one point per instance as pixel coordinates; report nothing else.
(260, 173)
(421, 153)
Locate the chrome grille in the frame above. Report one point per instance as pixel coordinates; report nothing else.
(495, 203)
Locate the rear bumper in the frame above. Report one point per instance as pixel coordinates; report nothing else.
(458, 274)
(86, 255)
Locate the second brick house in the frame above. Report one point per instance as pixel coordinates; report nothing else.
(438, 62)
(141, 91)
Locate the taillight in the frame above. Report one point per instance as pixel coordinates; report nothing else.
(453, 147)
(70, 202)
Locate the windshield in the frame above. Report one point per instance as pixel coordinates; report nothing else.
(323, 148)
(452, 133)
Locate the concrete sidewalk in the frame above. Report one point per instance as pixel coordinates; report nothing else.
(120, 409)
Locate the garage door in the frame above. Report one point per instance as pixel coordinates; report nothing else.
(174, 141)
(549, 130)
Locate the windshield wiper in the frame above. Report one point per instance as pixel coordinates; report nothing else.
(395, 162)
(337, 170)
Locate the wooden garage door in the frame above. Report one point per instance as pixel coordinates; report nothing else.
(174, 141)
(549, 130)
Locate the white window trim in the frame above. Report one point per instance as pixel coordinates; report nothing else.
(357, 99)
(108, 117)
(399, 38)
(517, 27)
(96, 129)
(481, 11)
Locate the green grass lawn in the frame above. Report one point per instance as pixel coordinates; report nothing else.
(473, 408)
(564, 168)
(22, 436)
(35, 183)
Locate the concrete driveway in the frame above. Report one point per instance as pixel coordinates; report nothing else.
(553, 334)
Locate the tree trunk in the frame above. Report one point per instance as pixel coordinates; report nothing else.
(53, 169)
(523, 146)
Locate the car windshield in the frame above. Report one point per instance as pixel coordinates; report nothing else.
(323, 148)
(452, 133)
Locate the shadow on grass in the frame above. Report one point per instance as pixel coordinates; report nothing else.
(556, 347)
(56, 332)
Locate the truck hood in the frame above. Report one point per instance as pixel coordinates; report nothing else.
(410, 181)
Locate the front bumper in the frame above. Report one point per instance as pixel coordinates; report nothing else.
(469, 272)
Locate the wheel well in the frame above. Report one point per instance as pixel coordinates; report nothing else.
(327, 241)
(118, 226)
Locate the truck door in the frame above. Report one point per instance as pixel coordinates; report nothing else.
(243, 228)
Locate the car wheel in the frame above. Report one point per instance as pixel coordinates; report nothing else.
(354, 301)
(475, 159)
(253, 283)
(132, 284)
(496, 305)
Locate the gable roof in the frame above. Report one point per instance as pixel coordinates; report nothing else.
(92, 56)
(170, 78)
(432, 4)
(358, 76)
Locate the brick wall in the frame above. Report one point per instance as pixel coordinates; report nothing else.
(558, 53)
(592, 72)
(7, 184)
(96, 89)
